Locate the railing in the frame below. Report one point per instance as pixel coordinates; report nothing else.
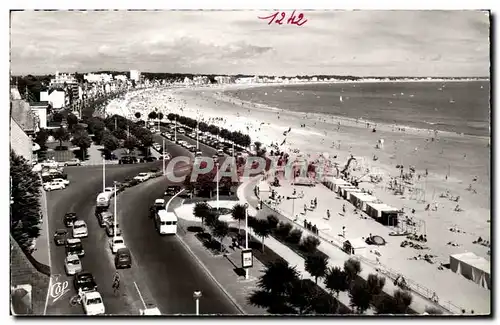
(413, 286)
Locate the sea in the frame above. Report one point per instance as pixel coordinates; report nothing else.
(458, 106)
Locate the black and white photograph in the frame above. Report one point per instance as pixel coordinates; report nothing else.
(250, 163)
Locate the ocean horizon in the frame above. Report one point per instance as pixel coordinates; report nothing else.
(459, 107)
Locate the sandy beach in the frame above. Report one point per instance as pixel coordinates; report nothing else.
(446, 164)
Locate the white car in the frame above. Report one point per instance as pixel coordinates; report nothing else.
(50, 163)
(73, 162)
(181, 130)
(80, 229)
(166, 156)
(61, 180)
(92, 303)
(153, 311)
(72, 264)
(116, 243)
(142, 177)
(51, 186)
(109, 190)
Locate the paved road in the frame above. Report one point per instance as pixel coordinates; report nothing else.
(168, 292)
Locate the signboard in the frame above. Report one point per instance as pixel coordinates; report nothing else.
(246, 258)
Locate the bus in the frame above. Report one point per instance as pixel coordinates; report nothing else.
(166, 222)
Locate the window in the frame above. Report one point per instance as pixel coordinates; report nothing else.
(174, 223)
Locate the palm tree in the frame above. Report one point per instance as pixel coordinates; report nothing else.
(160, 116)
(316, 265)
(238, 213)
(352, 268)
(360, 296)
(262, 229)
(336, 280)
(201, 210)
(137, 115)
(403, 300)
(375, 284)
(152, 115)
(278, 278)
(220, 230)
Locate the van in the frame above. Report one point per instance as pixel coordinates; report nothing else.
(166, 222)
(123, 258)
(103, 199)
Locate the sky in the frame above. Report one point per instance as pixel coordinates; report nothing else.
(359, 43)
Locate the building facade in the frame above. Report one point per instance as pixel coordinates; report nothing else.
(135, 75)
(55, 97)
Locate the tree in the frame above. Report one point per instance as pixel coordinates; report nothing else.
(25, 211)
(160, 116)
(72, 120)
(258, 145)
(304, 296)
(352, 268)
(83, 141)
(220, 230)
(211, 218)
(57, 117)
(61, 134)
(316, 265)
(384, 304)
(201, 210)
(294, 236)
(137, 115)
(283, 229)
(238, 213)
(131, 142)
(360, 296)
(278, 278)
(273, 221)
(262, 229)
(152, 115)
(110, 142)
(375, 284)
(95, 125)
(41, 138)
(403, 300)
(310, 244)
(336, 280)
(120, 134)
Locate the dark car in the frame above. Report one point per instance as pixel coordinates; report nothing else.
(110, 228)
(74, 246)
(69, 218)
(84, 281)
(60, 236)
(150, 159)
(127, 160)
(123, 258)
(172, 190)
(104, 217)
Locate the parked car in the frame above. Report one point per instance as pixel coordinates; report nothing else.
(104, 217)
(110, 189)
(92, 303)
(127, 160)
(110, 228)
(50, 163)
(80, 229)
(150, 159)
(69, 218)
(84, 281)
(74, 246)
(72, 264)
(73, 162)
(142, 177)
(52, 186)
(60, 236)
(123, 258)
(116, 243)
(61, 180)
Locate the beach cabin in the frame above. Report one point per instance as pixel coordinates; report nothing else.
(355, 246)
(349, 191)
(343, 188)
(383, 213)
(472, 267)
(361, 199)
(335, 182)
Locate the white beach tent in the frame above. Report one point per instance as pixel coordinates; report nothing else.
(336, 182)
(343, 187)
(355, 246)
(472, 267)
(362, 199)
(349, 191)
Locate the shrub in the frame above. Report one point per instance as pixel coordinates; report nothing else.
(294, 236)
(273, 221)
(283, 229)
(310, 244)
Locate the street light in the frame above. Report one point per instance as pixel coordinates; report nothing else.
(217, 178)
(246, 237)
(175, 130)
(114, 212)
(197, 133)
(163, 156)
(103, 173)
(197, 295)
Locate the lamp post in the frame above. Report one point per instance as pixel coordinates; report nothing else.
(197, 133)
(246, 237)
(197, 295)
(175, 131)
(103, 173)
(163, 156)
(217, 179)
(114, 213)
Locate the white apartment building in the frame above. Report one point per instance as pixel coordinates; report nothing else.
(101, 77)
(121, 77)
(201, 80)
(135, 75)
(223, 79)
(56, 97)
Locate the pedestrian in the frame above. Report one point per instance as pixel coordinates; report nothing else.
(328, 214)
(343, 208)
(315, 201)
(343, 231)
(305, 223)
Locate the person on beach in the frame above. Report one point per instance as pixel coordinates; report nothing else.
(343, 208)
(328, 214)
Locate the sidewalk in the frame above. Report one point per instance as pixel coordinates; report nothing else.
(42, 244)
(221, 269)
(336, 256)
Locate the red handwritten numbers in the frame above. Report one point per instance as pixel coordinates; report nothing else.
(278, 18)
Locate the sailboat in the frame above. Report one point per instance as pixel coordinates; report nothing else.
(341, 100)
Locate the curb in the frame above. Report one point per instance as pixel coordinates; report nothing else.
(207, 271)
